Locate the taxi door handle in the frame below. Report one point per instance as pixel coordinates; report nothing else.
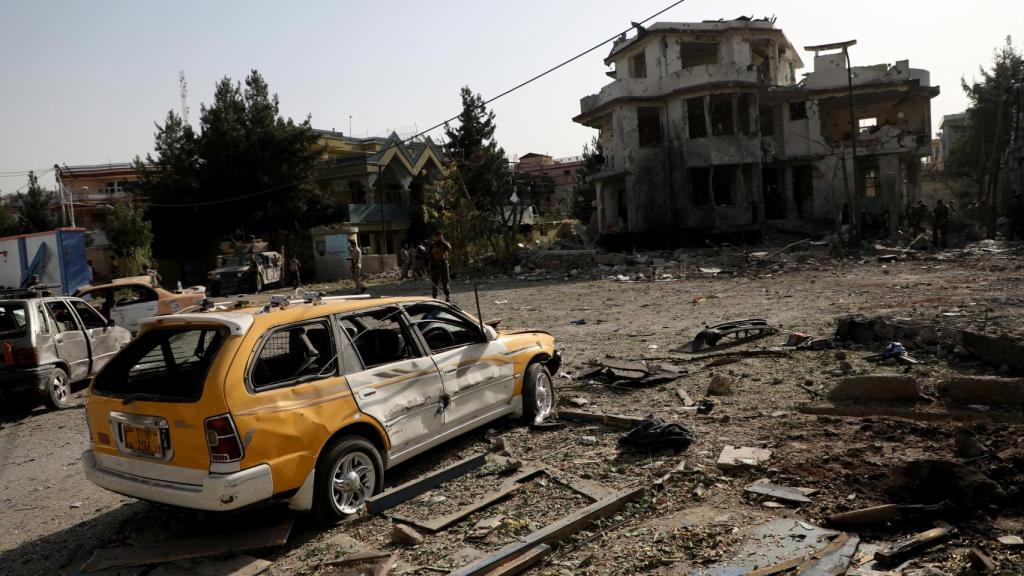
(364, 394)
(449, 371)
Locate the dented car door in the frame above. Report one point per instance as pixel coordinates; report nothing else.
(477, 373)
(392, 380)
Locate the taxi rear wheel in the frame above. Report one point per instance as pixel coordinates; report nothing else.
(538, 394)
(349, 471)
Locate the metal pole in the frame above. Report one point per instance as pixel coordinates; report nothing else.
(384, 237)
(479, 314)
(60, 195)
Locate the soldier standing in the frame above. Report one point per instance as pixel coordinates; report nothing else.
(295, 267)
(439, 277)
(940, 223)
(355, 256)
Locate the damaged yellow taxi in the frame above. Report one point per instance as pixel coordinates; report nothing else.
(309, 401)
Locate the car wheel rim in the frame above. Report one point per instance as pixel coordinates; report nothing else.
(60, 390)
(543, 395)
(354, 478)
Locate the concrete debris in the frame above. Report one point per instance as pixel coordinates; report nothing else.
(578, 402)
(967, 445)
(864, 330)
(733, 458)
(980, 561)
(877, 387)
(982, 390)
(588, 440)
(785, 493)
(402, 535)
(721, 385)
(1011, 541)
(994, 350)
(484, 527)
(878, 514)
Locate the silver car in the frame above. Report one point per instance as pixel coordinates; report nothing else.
(48, 342)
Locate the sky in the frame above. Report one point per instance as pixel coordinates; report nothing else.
(84, 82)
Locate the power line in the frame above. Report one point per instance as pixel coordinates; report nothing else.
(519, 86)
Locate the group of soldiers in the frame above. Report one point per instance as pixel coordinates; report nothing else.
(916, 216)
(428, 259)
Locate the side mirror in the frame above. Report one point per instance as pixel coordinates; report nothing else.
(111, 323)
(490, 333)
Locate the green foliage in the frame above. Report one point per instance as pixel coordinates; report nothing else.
(9, 225)
(586, 191)
(36, 211)
(256, 164)
(126, 229)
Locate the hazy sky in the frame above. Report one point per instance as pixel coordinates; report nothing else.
(83, 82)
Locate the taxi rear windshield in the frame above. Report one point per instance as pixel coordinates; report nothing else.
(13, 319)
(168, 365)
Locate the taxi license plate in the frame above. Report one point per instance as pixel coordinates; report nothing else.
(142, 440)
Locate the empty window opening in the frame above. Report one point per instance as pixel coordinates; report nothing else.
(870, 183)
(744, 109)
(723, 181)
(700, 186)
(698, 54)
(638, 66)
(648, 121)
(766, 116)
(797, 111)
(696, 118)
(867, 124)
(721, 115)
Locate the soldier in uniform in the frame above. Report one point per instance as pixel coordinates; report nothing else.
(355, 257)
(940, 223)
(439, 277)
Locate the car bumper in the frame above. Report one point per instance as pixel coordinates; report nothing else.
(218, 492)
(25, 379)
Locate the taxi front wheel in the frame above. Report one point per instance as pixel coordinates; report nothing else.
(538, 394)
(350, 470)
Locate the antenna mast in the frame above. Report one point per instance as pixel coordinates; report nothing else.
(184, 96)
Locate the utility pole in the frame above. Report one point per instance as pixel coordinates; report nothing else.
(854, 130)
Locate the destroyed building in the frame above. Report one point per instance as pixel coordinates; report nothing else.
(706, 128)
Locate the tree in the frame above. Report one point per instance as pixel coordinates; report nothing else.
(36, 212)
(252, 163)
(130, 236)
(586, 191)
(995, 119)
(8, 222)
(480, 180)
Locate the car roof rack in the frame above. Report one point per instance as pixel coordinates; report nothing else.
(32, 292)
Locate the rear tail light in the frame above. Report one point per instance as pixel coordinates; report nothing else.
(222, 438)
(8, 353)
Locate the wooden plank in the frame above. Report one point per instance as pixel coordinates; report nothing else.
(423, 484)
(606, 419)
(212, 545)
(552, 532)
(877, 514)
(687, 401)
(440, 523)
(776, 568)
(832, 560)
(522, 563)
(907, 547)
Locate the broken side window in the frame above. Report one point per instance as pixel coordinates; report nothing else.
(638, 66)
(700, 186)
(648, 121)
(797, 111)
(722, 181)
(695, 117)
(870, 183)
(766, 116)
(867, 124)
(721, 115)
(698, 53)
(745, 105)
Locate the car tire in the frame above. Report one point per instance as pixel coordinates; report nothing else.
(538, 394)
(346, 459)
(58, 390)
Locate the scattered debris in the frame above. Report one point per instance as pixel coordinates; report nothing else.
(938, 481)
(1011, 541)
(588, 440)
(832, 560)
(785, 493)
(484, 527)
(579, 402)
(980, 561)
(994, 350)
(733, 458)
(772, 548)
(876, 387)
(740, 330)
(883, 513)
(403, 535)
(607, 419)
(908, 547)
(251, 538)
(654, 434)
(687, 401)
(721, 385)
(631, 374)
(723, 361)
(967, 445)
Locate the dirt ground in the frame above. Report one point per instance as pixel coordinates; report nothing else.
(702, 522)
